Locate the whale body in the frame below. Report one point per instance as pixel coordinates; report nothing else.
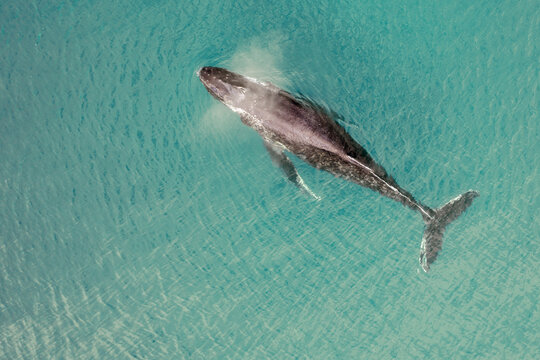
(296, 125)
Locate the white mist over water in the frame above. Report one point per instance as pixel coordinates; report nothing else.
(261, 58)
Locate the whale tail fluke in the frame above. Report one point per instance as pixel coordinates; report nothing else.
(433, 234)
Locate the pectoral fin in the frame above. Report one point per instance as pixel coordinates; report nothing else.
(285, 164)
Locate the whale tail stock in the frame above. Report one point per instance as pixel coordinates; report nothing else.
(435, 226)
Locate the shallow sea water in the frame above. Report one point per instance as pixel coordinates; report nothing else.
(140, 219)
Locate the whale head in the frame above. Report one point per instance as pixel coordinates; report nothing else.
(223, 84)
(234, 90)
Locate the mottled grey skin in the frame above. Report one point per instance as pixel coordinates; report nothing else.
(288, 123)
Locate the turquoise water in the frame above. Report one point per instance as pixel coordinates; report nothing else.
(140, 219)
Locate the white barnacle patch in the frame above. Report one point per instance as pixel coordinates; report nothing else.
(264, 84)
(237, 110)
(252, 121)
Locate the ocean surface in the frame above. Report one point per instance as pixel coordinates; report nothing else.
(139, 219)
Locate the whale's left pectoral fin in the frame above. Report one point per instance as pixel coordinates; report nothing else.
(285, 164)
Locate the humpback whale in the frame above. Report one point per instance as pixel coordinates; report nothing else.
(301, 127)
